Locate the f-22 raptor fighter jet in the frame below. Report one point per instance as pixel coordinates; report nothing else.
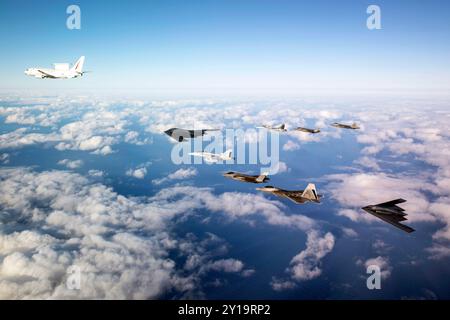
(299, 196)
(390, 213)
(247, 178)
(280, 128)
(307, 130)
(181, 135)
(345, 126)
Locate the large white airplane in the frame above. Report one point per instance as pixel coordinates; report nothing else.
(213, 157)
(60, 71)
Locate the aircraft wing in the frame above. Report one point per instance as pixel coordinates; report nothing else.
(392, 204)
(391, 219)
(47, 75)
(296, 197)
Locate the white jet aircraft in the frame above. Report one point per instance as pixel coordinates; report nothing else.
(60, 71)
(213, 157)
(280, 128)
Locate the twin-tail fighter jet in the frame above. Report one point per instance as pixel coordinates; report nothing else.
(60, 71)
(390, 213)
(352, 126)
(307, 130)
(262, 178)
(298, 196)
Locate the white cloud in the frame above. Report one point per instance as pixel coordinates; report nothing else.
(291, 146)
(71, 164)
(139, 173)
(121, 245)
(180, 174)
(380, 262)
(306, 265)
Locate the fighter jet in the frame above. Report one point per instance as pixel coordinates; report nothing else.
(280, 128)
(213, 157)
(307, 130)
(181, 135)
(345, 126)
(300, 196)
(390, 213)
(60, 71)
(247, 178)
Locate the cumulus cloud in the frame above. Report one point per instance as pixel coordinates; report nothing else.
(180, 174)
(59, 219)
(306, 265)
(71, 164)
(291, 146)
(380, 262)
(138, 173)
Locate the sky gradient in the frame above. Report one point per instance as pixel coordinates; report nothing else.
(230, 46)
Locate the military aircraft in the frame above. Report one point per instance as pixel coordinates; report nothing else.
(299, 196)
(213, 157)
(60, 71)
(181, 135)
(280, 128)
(247, 178)
(390, 213)
(345, 126)
(307, 130)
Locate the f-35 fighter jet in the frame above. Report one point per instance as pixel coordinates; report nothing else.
(345, 126)
(307, 130)
(181, 135)
(299, 196)
(390, 213)
(247, 178)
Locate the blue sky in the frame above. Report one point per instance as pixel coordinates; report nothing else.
(229, 46)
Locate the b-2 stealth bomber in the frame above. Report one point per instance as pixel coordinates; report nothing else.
(390, 213)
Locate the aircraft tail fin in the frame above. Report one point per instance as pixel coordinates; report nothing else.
(283, 126)
(78, 66)
(310, 193)
(262, 177)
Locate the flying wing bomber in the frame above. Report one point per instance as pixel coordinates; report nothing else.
(298, 196)
(390, 213)
(247, 178)
(352, 126)
(307, 130)
(181, 135)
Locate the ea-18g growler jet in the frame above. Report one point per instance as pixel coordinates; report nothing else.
(60, 71)
(390, 213)
(299, 196)
(247, 178)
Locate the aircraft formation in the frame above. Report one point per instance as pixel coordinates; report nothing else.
(387, 211)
